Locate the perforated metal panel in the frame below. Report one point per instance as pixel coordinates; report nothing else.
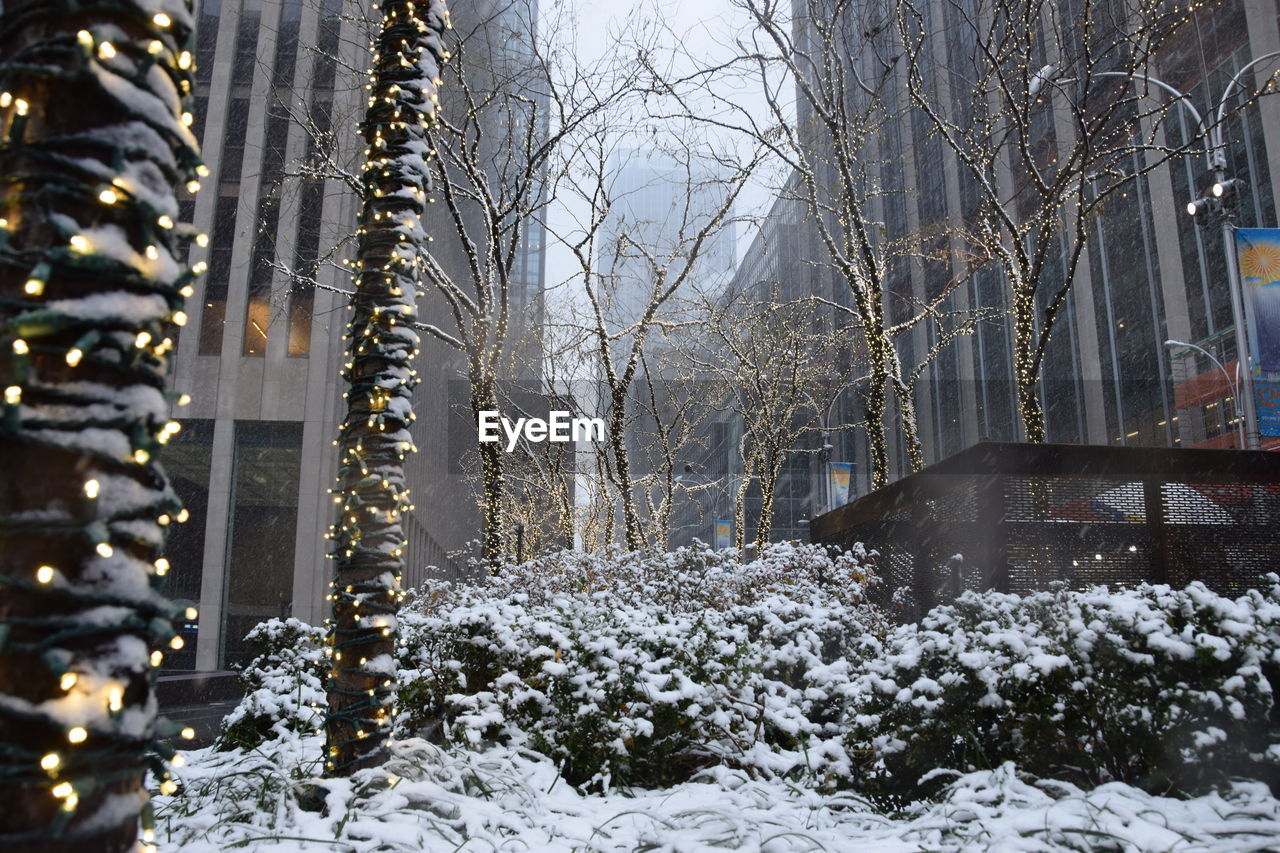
(1019, 517)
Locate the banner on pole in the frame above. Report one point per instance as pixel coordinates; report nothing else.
(724, 533)
(839, 474)
(1266, 393)
(1258, 250)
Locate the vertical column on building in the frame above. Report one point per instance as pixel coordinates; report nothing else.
(1086, 346)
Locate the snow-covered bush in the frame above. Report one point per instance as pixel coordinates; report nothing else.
(1160, 688)
(641, 669)
(283, 684)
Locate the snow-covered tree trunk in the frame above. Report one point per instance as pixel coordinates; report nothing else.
(374, 440)
(93, 143)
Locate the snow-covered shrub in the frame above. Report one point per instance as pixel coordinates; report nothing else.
(283, 684)
(641, 669)
(1160, 688)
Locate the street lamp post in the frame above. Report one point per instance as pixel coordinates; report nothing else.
(1235, 388)
(1223, 188)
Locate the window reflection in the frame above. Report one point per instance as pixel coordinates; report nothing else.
(187, 463)
(260, 536)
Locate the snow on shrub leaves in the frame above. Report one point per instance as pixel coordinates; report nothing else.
(1167, 690)
(640, 669)
(284, 685)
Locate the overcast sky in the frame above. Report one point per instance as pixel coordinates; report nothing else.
(702, 28)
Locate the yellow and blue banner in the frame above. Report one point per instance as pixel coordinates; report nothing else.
(724, 533)
(1258, 256)
(839, 475)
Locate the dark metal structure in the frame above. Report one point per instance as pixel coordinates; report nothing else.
(1016, 517)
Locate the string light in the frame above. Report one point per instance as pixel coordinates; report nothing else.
(370, 492)
(85, 212)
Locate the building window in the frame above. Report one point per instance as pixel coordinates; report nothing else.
(207, 39)
(258, 311)
(306, 265)
(261, 530)
(233, 140)
(327, 42)
(187, 461)
(246, 58)
(214, 316)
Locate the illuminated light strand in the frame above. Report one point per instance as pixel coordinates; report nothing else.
(368, 541)
(67, 371)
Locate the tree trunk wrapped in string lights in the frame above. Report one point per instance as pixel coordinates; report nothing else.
(93, 141)
(381, 344)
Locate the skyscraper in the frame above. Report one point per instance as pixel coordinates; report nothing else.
(1150, 272)
(277, 106)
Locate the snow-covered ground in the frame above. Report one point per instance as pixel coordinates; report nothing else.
(505, 799)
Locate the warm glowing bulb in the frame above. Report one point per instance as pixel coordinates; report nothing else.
(188, 733)
(165, 221)
(180, 318)
(104, 550)
(152, 253)
(184, 399)
(68, 680)
(92, 488)
(162, 566)
(168, 787)
(20, 347)
(115, 698)
(193, 187)
(34, 286)
(162, 20)
(77, 735)
(50, 761)
(63, 789)
(108, 197)
(142, 339)
(157, 657)
(176, 643)
(192, 613)
(80, 243)
(44, 574)
(74, 355)
(184, 60)
(106, 50)
(141, 456)
(179, 761)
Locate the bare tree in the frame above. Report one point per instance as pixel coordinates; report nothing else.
(630, 265)
(778, 373)
(1050, 110)
(521, 101)
(827, 88)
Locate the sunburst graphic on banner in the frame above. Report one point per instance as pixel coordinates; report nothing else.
(1261, 261)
